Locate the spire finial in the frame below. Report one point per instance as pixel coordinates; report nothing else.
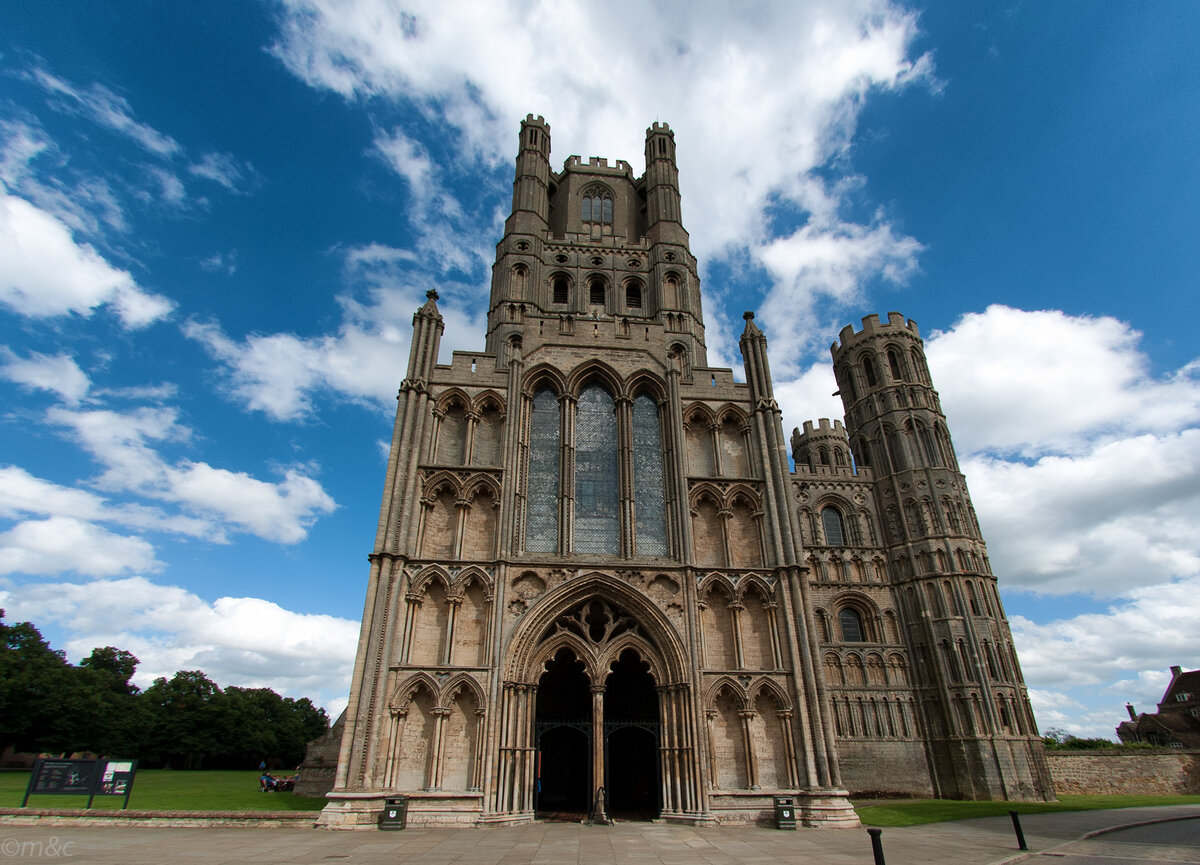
(432, 294)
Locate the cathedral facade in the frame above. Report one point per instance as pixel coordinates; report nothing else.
(599, 587)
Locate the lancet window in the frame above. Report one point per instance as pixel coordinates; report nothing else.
(597, 206)
(615, 462)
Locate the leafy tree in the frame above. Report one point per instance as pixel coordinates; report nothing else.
(35, 690)
(117, 722)
(188, 718)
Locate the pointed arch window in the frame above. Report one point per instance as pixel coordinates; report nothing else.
(584, 495)
(833, 526)
(597, 503)
(597, 206)
(894, 365)
(648, 476)
(541, 521)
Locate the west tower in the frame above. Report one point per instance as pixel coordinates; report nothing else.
(591, 588)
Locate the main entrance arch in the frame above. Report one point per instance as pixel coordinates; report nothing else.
(598, 696)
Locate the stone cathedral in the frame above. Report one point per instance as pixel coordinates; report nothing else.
(599, 588)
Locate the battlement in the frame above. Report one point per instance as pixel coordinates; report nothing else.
(530, 120)
(597, 164)
(872, 326)
(657, 127)
(822, 428)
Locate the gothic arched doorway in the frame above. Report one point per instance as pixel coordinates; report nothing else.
(631, 734)
(596, 666)
(563, 733)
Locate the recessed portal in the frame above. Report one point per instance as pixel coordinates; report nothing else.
(564, 716)
(631, 729)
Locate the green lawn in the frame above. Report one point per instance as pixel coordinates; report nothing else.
(911, 812)
(168, 790)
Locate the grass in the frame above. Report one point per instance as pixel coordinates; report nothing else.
(168, 790)
(913, 812)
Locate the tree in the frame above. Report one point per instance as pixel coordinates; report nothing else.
(117, 721)
(35, 691)
(188, 718)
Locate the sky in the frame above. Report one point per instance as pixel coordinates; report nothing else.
(217, 219)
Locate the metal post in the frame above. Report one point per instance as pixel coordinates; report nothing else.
(877, 845)
(1017, 828)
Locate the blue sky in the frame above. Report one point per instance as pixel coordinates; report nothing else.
(218, 219)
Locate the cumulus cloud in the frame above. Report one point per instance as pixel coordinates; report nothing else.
(45, 272)
(758, 101)
(249, 642)
(58, 374)
(279, 374)
(1083, 669)
(61, 544)
(124, 444)
(1085, 469)
(1010, 371)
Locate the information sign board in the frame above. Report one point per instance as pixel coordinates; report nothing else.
(89, 778)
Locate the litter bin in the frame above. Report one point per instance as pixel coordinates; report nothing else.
(395, 813)
(785, 812)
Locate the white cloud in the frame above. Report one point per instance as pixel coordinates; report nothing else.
(280, 373)
(58, 374)
(226, 170)
(758, 101)
(809, 397)
(107, 109)
(122, 442)
(1038, 382)
(1083, 669)
(249, 642)
(44, 272)
(1085, 469)
(61, 544)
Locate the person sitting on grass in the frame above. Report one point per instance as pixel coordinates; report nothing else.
(267, 783)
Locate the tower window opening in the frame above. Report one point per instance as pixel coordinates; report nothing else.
(596, 292)
(561, 292)
(597, 206)
(869, 369)
(834, 528)
(633, 296)
(894, 364)
(851, 624)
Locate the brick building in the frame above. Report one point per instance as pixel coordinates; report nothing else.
(595, 567)
(1176, 724)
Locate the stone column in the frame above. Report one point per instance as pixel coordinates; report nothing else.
(453, 605)
(598, 742)
(748, 716)
(735, 616)
(789, 746)
(439, 728)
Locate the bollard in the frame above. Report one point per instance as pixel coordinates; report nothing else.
(1017, 828)
(877, 845)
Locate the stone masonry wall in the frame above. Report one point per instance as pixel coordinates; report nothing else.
(1125, 772)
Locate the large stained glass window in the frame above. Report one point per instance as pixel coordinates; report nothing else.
(648, 504)
(541, 522)
(597, 507)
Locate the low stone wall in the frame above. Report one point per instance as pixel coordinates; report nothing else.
(1114, 772)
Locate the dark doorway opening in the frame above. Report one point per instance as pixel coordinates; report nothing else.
(563, 724)
(631, 728)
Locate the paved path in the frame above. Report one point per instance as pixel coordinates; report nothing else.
(982, 841)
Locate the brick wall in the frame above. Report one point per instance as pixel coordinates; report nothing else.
(1125, 772)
